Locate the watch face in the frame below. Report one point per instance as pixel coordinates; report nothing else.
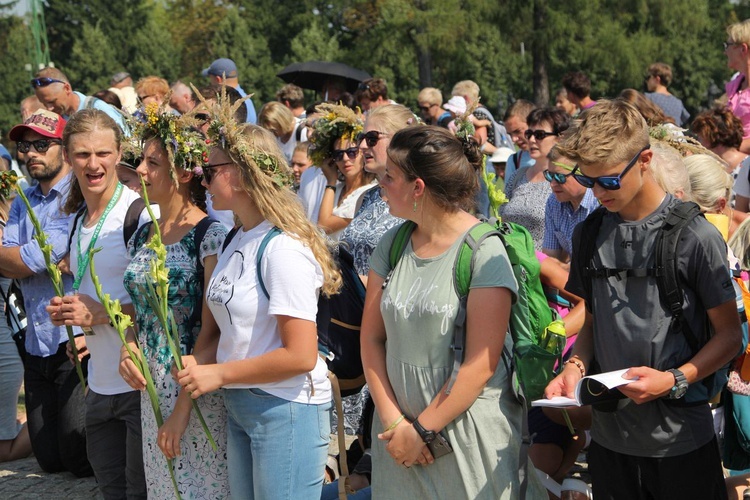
(679, 391)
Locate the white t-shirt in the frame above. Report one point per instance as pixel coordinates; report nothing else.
(104, 345)
(312, 183)
(247, 319)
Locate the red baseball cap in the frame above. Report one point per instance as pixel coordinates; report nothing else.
(42, 122)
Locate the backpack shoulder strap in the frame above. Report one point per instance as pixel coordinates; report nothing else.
(89, 102)
(79, 216)
(463, 267)
(667, 271)
(274, 232)
(587, 246)
(132, 217)
(229, 237)
(398, 246)
(198, 235)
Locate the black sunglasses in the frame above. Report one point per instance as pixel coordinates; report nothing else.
(608, 182)
(202, 117)
(208, 170)
(371, 138)
(426, 108)
(338, 154)
(40, 145)
(538, 134)
(43, 82)
(557, 177)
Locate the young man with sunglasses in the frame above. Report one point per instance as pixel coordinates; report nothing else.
(54, 91)
(568, 205)
(658, 442)
(54, 396)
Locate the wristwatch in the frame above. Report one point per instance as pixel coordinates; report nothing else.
(427, 436)
(680, 384)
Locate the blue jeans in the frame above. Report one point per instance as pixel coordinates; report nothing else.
(276, 448)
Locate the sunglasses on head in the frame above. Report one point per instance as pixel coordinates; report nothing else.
(208, 170)
(538, 134)
(557, 177)
(40, 145)
(371, 138)
(43, 82)
(608, 182)
(338, 154)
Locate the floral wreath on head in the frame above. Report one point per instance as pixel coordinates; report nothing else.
(225, 132)
(185, 145)
(336, 122)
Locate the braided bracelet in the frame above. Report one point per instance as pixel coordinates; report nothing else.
(394, 424)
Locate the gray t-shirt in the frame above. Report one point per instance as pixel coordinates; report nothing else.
(631, 327)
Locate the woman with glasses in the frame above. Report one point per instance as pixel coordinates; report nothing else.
(527, 187)
(264, 294)
(192, 240)
(334, 149)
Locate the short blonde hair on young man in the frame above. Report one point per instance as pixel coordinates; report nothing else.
(430, 95)
(466, 88)
(739, 32)
(609, 133)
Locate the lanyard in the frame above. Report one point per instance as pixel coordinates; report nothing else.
(83, 258)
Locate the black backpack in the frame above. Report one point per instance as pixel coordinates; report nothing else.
(666, 272)
(338, 320)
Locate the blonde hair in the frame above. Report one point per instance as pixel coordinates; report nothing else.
(709, 182)
(608, 134)
(278, 204)
(669, 170)
(430, 95)
(391, 118)
(152, 85)
(739, 242)
(739, 32)
(466, 88)
(277, 118)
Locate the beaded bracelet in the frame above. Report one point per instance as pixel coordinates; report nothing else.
(578, 364)
(394, 424)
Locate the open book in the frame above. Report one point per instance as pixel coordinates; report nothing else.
(589, 390)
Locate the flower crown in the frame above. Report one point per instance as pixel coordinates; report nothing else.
(336, 122)
(225, 132)
(185, 145)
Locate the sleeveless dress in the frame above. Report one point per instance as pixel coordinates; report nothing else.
(200, 472)
(419, 306)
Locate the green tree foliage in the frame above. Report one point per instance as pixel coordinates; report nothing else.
(92, 61)
(314, 43)
(14, 47)
(154, 51)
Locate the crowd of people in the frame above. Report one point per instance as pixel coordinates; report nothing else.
(247, 212)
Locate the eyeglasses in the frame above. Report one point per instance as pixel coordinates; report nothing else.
(43, 82)
(338, 154)
(608, 182)
(202, 117)
(538, 134)
(363, 86)
(208, 170)
(426, 108)
(557, 177)
(729, 44)
(40, 145)
(371, 138)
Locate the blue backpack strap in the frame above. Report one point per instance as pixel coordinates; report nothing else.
(463, 267)
(275, 231)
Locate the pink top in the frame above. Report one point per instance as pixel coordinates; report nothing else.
(739, 102)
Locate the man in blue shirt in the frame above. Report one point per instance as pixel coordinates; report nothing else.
(54, 397)
(224, 71)
(568, 205)
(53, 90)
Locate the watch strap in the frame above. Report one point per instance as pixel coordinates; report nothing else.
(427, 436)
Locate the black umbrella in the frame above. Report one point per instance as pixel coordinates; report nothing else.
(313, 74)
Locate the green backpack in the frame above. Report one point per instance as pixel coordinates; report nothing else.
(531, 366)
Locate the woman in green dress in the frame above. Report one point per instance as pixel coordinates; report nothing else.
(407, 332)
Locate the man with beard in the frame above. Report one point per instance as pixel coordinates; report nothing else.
(54, 397)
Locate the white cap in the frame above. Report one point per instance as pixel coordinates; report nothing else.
(456, 104)
(501, 155)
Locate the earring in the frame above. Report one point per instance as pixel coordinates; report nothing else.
(414, 208)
